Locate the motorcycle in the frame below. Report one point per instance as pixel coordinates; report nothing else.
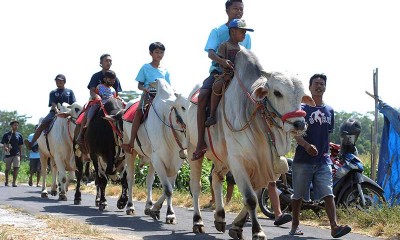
(350, 186)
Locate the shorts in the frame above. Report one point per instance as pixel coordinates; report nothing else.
(14, 160)
(49, 117)
(208, 83)
(34, 165)
(307, 176)
(144, 100)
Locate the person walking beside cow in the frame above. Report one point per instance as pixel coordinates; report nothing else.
(148, 74)
(12, 142)
(311, 163)
(58, 96)
(34, 161)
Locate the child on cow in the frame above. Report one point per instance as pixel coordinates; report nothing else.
(104, 90)
(58, 96)
(148, 74)
(227, 51)
(218, 35)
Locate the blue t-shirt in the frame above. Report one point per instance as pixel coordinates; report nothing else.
(148, 74)
(32, 154)
(62, 96)
(98, 77)
(15, 140)
(220, 35)
(320, 122)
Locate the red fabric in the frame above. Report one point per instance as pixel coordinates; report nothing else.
(130, 112)
(80, 117)
(195, 97)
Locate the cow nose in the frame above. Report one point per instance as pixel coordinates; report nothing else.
(299, 125)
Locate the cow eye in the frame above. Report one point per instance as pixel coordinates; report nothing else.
(183, 108)
(278, 94)
(76, 110)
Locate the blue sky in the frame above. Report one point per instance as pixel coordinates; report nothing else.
(346, 40)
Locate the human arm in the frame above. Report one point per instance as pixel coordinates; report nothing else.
(93, 94)
(142, 87)
(310, 148)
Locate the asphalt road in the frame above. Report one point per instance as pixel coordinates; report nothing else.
(140, 225)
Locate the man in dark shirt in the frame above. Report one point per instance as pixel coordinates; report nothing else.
(105, 64)
(12, 142)
(59, 95)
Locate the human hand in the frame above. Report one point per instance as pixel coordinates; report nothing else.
(227, 64)
(312, 150)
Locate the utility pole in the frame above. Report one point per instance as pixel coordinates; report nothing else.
(375, 128)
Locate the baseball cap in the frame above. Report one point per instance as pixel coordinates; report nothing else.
(60, 77)
(239, 23)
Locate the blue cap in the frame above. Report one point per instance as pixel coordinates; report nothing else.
(239, 23)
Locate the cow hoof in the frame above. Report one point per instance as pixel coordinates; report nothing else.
(130, 212)
(259, 236)
(155, 215)
(62, 197)
(147, 211)
(198, 229)
(53, 193)
(97, 202)
(44, 195)
(170, 219)
(236, 234)
(102, 206)
(77, 202)
(121, 203)
(220, 226)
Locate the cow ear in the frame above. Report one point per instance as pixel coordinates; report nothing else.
(266, 74)
(308, 100)
(260, 93)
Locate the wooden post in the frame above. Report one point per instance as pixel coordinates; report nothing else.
(375, 129)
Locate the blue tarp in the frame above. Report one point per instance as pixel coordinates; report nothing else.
(389, 160)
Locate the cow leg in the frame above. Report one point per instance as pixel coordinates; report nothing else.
(219, 215)
(149, 185)
(167, 188)
(130, 175)
(123, 198)
(43, 170)
(62, 180)
(53, 190)
(79, 174)
(195, 187)
(96, 179)
(171, 218)
(236, 231)
(102, 188)
(250, 203)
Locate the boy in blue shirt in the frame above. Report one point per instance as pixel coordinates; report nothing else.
(234, 9)
(148, 73)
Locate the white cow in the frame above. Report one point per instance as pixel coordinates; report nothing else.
(57, 146)
(257, 118)
(162, 139)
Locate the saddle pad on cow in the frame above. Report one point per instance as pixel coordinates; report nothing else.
(130, 112)
(80, 117)
(49, 127)
(195, 97)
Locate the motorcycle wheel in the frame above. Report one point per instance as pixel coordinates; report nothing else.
(373, 197)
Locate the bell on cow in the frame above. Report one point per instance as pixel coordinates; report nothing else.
(183, 154)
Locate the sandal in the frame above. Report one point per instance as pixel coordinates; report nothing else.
(282, 219)
(340, 231)
(199, 154)
(210, 121)
(127, 148)
(296, 231)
